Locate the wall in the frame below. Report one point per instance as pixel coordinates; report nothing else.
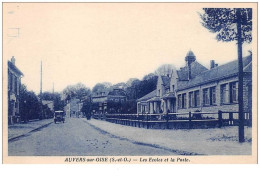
(219, 106)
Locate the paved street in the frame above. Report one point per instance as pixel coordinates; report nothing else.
(77, 137)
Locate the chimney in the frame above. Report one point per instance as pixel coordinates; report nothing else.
(13, 60)
(212, 64)
(190, 57)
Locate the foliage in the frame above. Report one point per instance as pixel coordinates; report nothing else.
(120, 85)
(87, 108)
(47, 96)
(232, 24)
(129, 107)
(165, 70)
(58, 104)
(223, 21)
(95, 106)
(140, 88)
(101, 87)
(29, 104)
(130, 81)
(146, 86)
(78, 91)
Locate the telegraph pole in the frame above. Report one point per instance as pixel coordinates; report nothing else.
(41, 114)
(41, 83)
(53, 88)
(240, 78)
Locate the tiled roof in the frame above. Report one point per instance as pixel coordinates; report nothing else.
(117, 92)
(248, 68)
(190, 54)
(105, 93)
(166, 81)
(155, 99)
(196, 68)
(169, 95)
(13, 67)
(148, 96)
(216, 73)
(98, 94)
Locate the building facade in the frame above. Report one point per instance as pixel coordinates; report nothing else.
(14, 84)
(73, 108)
(108, 100)
(195, 88)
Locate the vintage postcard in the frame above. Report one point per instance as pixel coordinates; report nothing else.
(153, 83)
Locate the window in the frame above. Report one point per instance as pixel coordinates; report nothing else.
(172, 88)
(139, 108)
(205, 96)
(18, 86)
(209, 96)
(196, 98)
(234, 92)
(179, 101)
(184, 100)
(11, 81)
(15, 85)
(191, 99)
(223, 94)
(212, 95)
(159, 92)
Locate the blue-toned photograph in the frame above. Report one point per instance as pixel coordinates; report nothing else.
(129, 79)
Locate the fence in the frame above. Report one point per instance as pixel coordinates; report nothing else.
(187, 120)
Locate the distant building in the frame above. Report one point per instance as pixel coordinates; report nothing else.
(73, 108)
(14, 84)
(196, 88)
(107, 101)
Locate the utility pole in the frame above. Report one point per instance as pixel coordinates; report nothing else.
(41, 114)
(240, 78)
(41, 83)
(53, 88)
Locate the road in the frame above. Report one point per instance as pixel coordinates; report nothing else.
(76, 137)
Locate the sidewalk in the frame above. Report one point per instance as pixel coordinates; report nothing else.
(17, 130)
(216, 141)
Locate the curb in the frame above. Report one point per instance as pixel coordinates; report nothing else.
(28, 133)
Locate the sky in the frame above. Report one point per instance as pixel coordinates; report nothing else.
(105, 42)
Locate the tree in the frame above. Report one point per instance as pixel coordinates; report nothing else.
(165, 69)
(147, 85)
(149, 76)
(78, 91)
(101, 86)
(129, 107)
(58, 104)
(232, 24)
(131, 90)
(29, 104)
(129, 82)
(120, 85)
(87, 108)
(47, 96)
